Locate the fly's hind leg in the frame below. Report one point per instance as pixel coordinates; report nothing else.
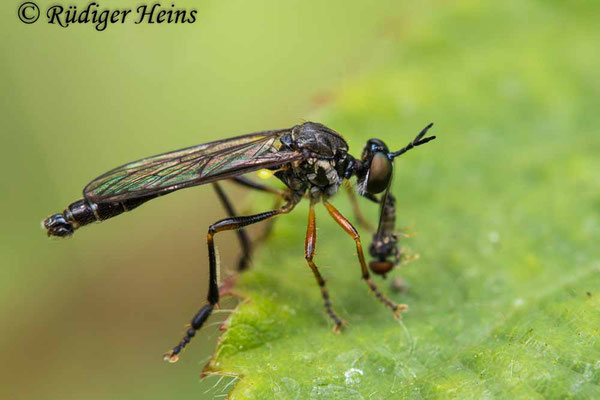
(268, 225)
(309, 252)
(280, 194)
(249, 183)
(347, 226)
(242, 235)
(213, 286)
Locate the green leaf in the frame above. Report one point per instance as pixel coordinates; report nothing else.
(505, 298)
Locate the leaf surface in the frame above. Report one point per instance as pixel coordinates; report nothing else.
(505, 298)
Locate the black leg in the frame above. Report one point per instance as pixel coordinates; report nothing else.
(351, 230)
(213, 286)
(249, 183)
(241, 233)
(268, 227)
(309, 252)
(243, 238)
(281, 195)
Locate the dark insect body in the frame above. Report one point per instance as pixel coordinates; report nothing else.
(310, 159)
(384, 246)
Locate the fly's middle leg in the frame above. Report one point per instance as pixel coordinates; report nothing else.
(213, 286)
(360, 218)
(309, 252)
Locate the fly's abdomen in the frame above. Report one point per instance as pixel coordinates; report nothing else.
(84, 212)
(75, 215)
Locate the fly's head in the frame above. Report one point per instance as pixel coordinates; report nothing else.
(374, 176)
(375, 173)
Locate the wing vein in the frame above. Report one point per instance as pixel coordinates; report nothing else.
(190, 167)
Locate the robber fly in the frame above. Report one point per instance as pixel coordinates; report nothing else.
(312, 161)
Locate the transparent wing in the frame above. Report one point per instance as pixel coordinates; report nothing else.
(191, 166)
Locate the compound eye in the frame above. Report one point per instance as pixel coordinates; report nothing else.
(380, 173)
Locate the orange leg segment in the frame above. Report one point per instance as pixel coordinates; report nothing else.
(351, 230)
(309, 252)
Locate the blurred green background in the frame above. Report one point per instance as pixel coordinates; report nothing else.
(90, 317)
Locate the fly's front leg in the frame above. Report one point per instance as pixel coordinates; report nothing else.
(347, 226)
(213, 286)
(309, 251)
(360, 218)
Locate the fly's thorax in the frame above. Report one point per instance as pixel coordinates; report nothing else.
(318, 176)
(322, 172)
(325, 160)
(316, 139)
(323, 177)
(291, 175)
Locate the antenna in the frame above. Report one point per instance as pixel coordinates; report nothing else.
(417, 141)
